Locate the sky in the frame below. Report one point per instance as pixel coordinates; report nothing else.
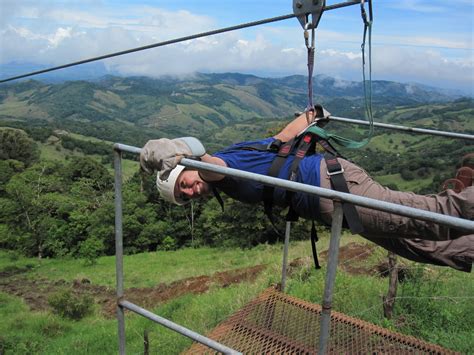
(422, 41)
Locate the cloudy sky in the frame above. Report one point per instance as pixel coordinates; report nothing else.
(424, 41)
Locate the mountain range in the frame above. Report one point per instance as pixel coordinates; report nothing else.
(200, 102)
(223, 108)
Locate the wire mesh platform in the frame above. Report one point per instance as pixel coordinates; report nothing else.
(275, 323)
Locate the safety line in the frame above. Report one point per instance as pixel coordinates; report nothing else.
(173, 41)
(406, 129)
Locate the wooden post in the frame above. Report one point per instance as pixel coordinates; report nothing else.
(389, 300)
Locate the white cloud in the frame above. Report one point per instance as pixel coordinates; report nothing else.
(59, 36)
(53, 36)
(427, 66)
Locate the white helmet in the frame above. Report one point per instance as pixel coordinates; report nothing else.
(166, 187)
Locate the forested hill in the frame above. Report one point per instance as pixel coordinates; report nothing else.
(132, 110)
(56, 190)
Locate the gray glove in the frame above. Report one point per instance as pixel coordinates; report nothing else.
(164, 154)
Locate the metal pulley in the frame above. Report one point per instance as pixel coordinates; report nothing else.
(303, 8)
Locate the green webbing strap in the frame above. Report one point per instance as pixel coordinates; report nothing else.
(367, 84)
(343, 141)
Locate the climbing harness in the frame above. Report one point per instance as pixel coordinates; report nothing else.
(299, 147)
(305, 143)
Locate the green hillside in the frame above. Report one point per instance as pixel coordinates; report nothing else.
(221, 109)
(195, 264)
(198, 288)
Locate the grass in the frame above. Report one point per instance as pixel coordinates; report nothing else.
(394, 142)
(446, 321)
(161, 266)
(404, 185)
(51, 152)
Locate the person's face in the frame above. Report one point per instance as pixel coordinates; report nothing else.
(190, 186)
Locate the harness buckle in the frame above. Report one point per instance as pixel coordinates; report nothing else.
(274, 145)
(335, 172)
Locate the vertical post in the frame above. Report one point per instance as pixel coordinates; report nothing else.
(389, 300)
(119, 248)
(336, 228)
(285, 256)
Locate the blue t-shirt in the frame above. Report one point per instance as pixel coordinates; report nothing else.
(259, 162)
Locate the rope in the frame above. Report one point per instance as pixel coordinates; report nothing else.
(310, 112)
(367, 85)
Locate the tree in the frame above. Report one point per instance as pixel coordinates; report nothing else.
(15, 144)
(38, 206)
(86, 168)
(8, 168)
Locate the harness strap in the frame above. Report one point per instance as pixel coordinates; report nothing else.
(273, 146)
(267, 194)
(336, 175)
(303, 147)
(218, 197)
(314, 239)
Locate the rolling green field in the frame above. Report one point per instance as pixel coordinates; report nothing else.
(199, 288)
(435, 303)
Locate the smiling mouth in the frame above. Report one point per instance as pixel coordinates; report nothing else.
(197, 190)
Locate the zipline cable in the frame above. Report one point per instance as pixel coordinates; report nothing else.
(177, 40)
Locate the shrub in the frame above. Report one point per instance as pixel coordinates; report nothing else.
(90, 250)
(169, 243)
(68, 305)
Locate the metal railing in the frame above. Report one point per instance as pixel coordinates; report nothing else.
(337, 196)
(432, 132)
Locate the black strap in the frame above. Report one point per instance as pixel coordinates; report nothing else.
(273, 146)
(305, 143)
(336, 175)
(314, 239)
(218, 197)
(267, 194)
(303, 147)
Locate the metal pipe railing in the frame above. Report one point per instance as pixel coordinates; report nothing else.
(333, 252)
(438, 218)
(178, 328)
(119, 248)
(337, 196)
(285, 256)
(121, 303)
(405, 129)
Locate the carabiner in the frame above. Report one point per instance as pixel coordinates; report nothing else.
(367, 21)
(308, 25)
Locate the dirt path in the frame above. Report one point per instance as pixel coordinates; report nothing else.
(36, 292)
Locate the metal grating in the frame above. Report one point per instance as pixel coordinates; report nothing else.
(275, 323)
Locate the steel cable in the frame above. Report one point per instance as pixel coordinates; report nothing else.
(173, 41)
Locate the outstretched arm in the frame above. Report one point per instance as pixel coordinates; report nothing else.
(210, 176)
(163, 155)
(293, 128)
